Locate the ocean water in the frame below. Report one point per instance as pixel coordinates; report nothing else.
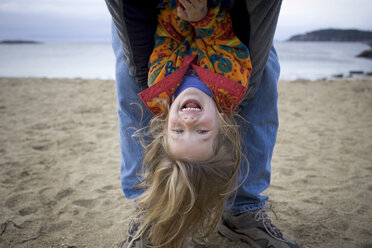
(317, 60)
(307, 60)
(58, 60)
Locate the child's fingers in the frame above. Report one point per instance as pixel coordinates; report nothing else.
(191, 5)
(187, 4)
(198, 3)
(182, 13)
(194, 10)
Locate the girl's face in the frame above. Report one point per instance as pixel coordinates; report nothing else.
(192, 125)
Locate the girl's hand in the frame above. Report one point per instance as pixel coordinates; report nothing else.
(193, 10)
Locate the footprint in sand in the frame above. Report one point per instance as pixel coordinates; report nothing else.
(63, 193)
(27, 211)
(101, 222)
(41, 147)
(17, 200)
(59, 226)
(87, 110)
(40, 126)
(105, 188)
(86, 203)
(46, 196)
(370, 187)
(286, 171)
(23, 174)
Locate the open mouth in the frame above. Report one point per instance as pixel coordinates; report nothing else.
(191, 105)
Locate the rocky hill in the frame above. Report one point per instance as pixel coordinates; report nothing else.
(334, 35)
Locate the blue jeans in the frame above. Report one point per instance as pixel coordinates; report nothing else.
(258, 132)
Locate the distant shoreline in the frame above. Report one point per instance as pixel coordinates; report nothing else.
(337, 35)
(96, 60)
(18, 42)
(352, 75)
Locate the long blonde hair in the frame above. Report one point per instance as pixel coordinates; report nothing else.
(183, 199)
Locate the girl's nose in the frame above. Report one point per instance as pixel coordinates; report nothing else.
(188, 120)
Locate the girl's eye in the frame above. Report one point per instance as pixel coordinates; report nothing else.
(178, 131)
(202, 131)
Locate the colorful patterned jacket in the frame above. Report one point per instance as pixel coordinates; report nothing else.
(254, 22)
(210, 46)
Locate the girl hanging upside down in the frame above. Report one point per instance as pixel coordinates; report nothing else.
(199, 73)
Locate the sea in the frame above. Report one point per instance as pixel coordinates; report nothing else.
(95, 60)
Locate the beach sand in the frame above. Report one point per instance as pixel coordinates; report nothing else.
(59, 164)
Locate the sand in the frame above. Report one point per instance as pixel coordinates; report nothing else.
(59, 164)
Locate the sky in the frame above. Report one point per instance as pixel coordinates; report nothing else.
(89, 20)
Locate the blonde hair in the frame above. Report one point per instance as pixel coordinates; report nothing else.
(183, 199)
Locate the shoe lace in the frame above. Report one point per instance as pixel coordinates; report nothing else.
(132, 230)
(270, 228)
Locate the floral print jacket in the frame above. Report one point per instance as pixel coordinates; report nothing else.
(210, 46)
(254, 22)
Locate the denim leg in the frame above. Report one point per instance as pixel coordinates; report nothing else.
(259, 131)
(131, 118)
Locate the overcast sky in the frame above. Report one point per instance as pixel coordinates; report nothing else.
(89, 20)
